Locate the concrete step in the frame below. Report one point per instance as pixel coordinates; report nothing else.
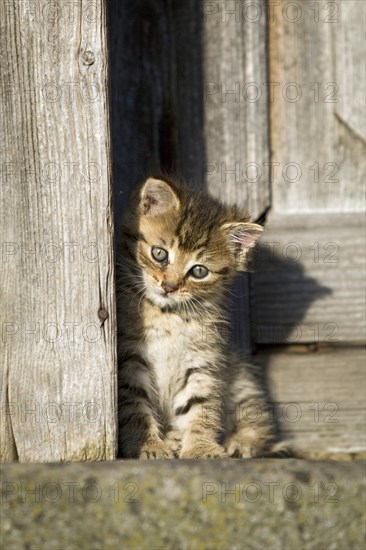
(190, 505)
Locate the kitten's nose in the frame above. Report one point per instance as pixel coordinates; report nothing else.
(169, 287)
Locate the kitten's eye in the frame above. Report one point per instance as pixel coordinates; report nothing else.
(159, 254)
(199, 271)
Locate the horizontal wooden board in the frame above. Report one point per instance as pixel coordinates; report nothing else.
(319, 400)
(309, 280)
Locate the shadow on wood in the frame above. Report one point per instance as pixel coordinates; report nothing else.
(157, 92)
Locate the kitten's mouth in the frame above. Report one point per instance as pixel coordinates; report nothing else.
(166, 295)
(161, 298)
(170, 298)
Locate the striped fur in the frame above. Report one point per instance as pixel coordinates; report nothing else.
(182, 391)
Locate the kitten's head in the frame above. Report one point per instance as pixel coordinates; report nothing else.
(189, 246)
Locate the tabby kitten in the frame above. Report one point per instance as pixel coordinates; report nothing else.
(182, 391)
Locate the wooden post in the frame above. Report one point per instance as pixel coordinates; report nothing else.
(58, 398)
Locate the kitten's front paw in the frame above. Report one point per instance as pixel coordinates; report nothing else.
(203, 451)
(245, 447)
(239, 448)
(155, 449)
(173, 440)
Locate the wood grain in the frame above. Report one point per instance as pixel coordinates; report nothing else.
(309, 283)
(350, 51)
(317, 114)
(173, 65)
(156, 92)
(57, 282)
(319, 400)
(236, 105)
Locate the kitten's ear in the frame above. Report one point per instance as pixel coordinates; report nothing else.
(242, 237)
(157, 197)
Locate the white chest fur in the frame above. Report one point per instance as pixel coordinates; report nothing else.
(171, 346)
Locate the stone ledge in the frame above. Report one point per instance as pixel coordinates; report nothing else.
(193, 505)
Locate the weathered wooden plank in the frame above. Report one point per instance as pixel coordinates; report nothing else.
(308, 285)
(350, 51)
(236, 120)
(173, 66)
(157, 105)
(57, 281)
(319, 400)
(236, 103)
(186, 504)
(318, 146)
